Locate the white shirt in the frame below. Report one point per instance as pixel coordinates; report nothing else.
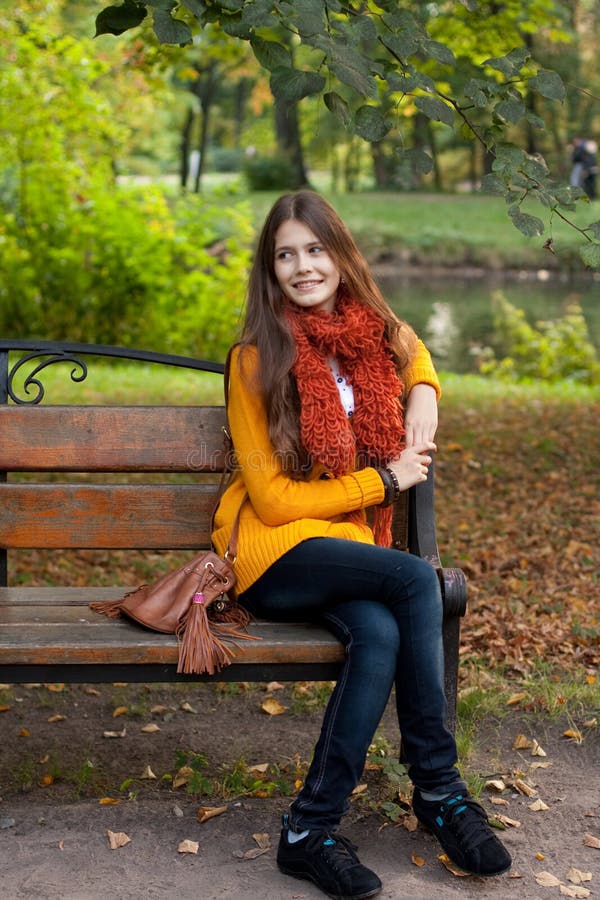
(344, 387)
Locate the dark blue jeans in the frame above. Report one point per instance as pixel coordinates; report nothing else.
(385, 607)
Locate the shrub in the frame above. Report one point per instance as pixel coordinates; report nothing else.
(550, 350)
(268, 173)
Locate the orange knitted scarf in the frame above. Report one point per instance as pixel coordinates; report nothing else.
(354, 335)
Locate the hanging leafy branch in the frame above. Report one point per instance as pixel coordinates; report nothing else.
(366, 58)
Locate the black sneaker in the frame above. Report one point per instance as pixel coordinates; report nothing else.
(461, 826)
(330, 862)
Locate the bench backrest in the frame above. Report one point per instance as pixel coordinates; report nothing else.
(141, 477)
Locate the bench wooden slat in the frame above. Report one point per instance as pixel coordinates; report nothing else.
(152, 516)
(111, 439)
(70, 633)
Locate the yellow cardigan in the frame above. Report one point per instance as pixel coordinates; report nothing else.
(280, 511)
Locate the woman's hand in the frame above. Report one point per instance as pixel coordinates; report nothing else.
(412, 465)
(421, 415)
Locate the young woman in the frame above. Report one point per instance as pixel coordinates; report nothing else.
(332, 410)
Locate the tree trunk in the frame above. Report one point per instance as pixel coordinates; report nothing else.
(206, 93)
(184, 149)
(287, 133)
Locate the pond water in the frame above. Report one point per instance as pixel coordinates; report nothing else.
(455, 316)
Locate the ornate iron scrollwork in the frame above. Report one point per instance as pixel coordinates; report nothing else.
(78, 373)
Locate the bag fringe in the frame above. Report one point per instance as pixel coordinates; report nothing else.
(201, 650)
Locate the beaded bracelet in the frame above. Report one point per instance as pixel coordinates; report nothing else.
(395, 482)
(389, 486)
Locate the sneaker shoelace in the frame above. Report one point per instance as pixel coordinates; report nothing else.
(466, 819)
(339, 853)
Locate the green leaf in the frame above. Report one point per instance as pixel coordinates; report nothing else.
(196, 7)
(338, 106)
(169, 30)
(402, 45)
(548, 84)
(590, 254)
(236, 27)
(361, 28)
(491, 184)
(511, 110)
(293, 84)
(353, 70)
(528, 225)
(420, 162)
(371, 124)
(439, 52)
(535, 168)
(309, 18)
(594, 229)
(259, 14)
(117, 19)
(476, 90)
(510, 64)
(270, 54)
(405, 83)
(435, 108)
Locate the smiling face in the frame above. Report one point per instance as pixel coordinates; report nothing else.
(305, 271)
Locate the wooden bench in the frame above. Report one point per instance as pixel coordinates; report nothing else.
(48, 634)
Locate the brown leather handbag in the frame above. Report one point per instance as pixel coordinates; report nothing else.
(192, 602)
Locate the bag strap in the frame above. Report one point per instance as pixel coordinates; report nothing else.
(231, 552)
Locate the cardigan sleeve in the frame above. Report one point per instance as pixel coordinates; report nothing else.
(421, 370)
(276, 497)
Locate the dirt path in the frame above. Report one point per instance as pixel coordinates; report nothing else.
(54, 845)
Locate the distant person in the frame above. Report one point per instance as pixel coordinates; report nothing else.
(590, 168)
(332, 410)
(577, 157)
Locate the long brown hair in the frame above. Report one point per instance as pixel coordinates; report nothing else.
(266, 327)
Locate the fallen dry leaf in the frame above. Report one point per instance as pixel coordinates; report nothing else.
(516, 698)
(209, 812)
(452, 867)
(417, 860)
(46, 781)
(359, 789)
(576, 876)
(541, 765)
(499, 801)
(56, 718)
(152, 728)
(523, 788)
(536, 750)
(188, 708)
(5, 708)
(521, 743)
(574, 735)
(263, 840)
(539, 856)
(117, 839)
(410, 823)
(57, 688)
(109, 801)
(24, 732)
(273, 707)
(159, 709)
(183, 776)
(495, 784)
(590, 840)
(148, 774)
(590, 723)
(573, 890)
(274, 686)
(91, 692)
(115, 734)
(120, 711)
(538, 806)
(513, 823)
(61, 845)
(259, 768)
(187, 846)
(546, 879)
